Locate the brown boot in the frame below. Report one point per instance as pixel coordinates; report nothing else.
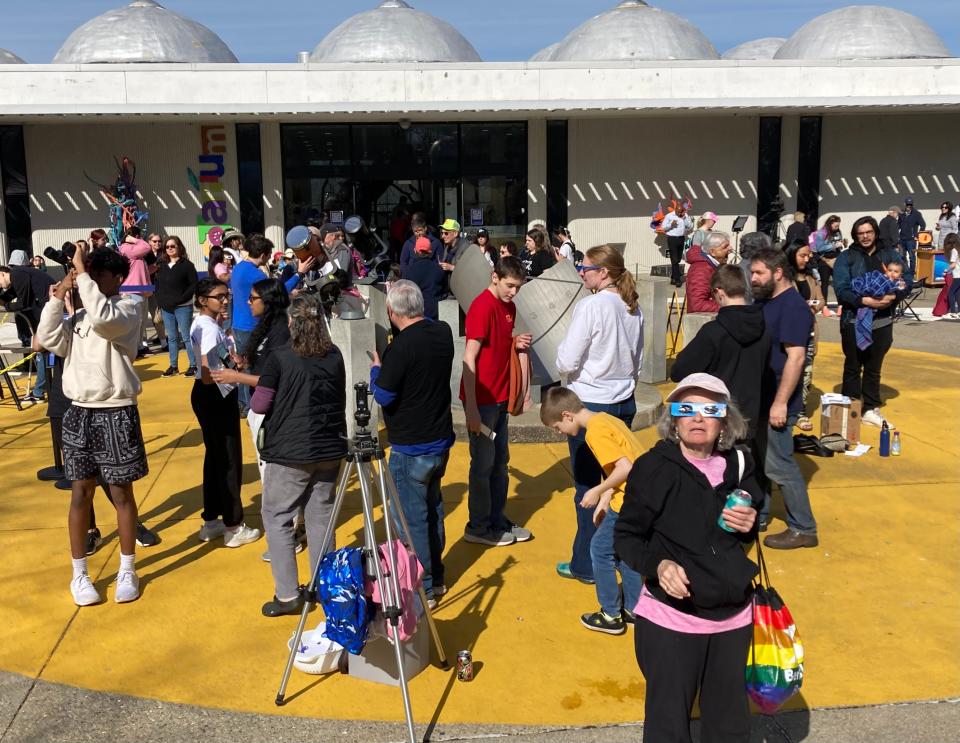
(790, 540)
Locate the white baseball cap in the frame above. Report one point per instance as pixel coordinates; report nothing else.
(699, 381)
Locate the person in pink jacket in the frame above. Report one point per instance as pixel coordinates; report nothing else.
(138, 282)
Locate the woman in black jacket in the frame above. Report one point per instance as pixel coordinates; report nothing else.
(302, 393)
(176, 282)
(694, 619)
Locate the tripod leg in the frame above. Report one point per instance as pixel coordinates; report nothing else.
(308, 604)
(387, 485)
(389, 590)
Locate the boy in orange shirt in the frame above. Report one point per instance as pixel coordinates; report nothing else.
(616, 449)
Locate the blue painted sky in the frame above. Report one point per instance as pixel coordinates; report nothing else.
(499, 29)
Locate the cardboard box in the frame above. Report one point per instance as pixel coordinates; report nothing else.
(839, 414)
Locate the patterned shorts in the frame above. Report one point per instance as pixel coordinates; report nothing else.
(106, 441)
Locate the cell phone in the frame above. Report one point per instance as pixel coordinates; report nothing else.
(813, 302)
(486, 431)
(369, 355)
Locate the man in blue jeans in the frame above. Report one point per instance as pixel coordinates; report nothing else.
(789, 323)
(485, 389)
(412, 384)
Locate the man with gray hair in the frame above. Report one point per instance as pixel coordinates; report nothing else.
(412, 384)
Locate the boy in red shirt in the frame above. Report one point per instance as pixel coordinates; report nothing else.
(484, 391)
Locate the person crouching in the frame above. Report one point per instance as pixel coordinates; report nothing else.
(302, 394)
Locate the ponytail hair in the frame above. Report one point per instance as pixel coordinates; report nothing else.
(308, 327)
(610, 259)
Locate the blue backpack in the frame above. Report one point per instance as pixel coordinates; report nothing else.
(341, 593)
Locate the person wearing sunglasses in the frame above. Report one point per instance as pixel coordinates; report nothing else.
(216, 407)
(600, 357)
(946, 224)
(176, 282)
(694, 618)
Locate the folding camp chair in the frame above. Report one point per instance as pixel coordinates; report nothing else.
(905, 306)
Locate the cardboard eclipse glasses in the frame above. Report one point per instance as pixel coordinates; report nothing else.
(705, 409)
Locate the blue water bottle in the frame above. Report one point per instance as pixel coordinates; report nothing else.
(885, 440)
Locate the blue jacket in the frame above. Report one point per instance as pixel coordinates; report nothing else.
(852, 263)
(911, 224)
(407, 253)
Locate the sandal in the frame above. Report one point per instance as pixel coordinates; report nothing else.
(804, 423)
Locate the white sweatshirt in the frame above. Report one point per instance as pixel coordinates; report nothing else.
(98, 346)
(602, 351)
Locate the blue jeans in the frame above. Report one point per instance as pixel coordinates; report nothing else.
(782, 468)
(953, 295)
(488, 472)
(177, 326)
(241, 338)
(605, 566)
(418, 487)
(909, 250)
(40, 381)
(587, 474)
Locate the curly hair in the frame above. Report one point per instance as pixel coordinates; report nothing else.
(308, 327)
(275, 300)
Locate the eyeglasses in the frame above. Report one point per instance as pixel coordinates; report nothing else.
(218, 297)
(584, 269)
(705, 409)
(866, 233)
(154, 239)
(253, 298)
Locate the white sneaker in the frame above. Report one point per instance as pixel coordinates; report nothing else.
(128, 587)
(211, 530)
(83, 590)
(873, 418)
(240, 536)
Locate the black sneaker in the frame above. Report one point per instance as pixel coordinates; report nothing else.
(190, 372)
(600, 622)
(30, 397)
(171, 371)
(278, 608)
(145, 537)
(628, 616)
(94, 540)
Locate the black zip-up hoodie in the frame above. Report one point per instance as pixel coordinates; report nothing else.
(670, 512)
(736, 349)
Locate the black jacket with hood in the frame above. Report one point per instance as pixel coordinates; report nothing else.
(670, 512)
(736, 349)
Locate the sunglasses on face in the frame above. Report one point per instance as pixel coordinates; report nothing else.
(705, 409)
(585, 269)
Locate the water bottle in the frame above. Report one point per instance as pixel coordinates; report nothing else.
(885, 440)
(895, 444)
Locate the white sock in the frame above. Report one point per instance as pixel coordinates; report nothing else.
(232, 529)
(79, 566)
(126, 563)
(211, 524)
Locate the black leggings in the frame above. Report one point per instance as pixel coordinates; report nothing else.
(219, 419)
(677, 665)
(675, 249)
(826, 271)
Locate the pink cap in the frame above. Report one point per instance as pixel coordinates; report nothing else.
(422, 245)
(699, 381)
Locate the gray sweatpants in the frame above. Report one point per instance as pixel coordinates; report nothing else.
(286, 490)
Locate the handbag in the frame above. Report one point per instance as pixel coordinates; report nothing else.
(774, 670)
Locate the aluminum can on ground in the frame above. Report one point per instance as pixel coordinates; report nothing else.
(464, 666)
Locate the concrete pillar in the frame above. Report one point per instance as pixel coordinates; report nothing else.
(654, 292)
(272, 169)
(692, 322)
(375, 297)
(450, 314)
(355, 338)
(536, 171)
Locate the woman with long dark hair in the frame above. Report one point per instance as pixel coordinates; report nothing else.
(541, 252)
(217, 266)
(600, 356)
(799, 257)
(826, 244)
(217, 411)
(302, 393)
(176, 282)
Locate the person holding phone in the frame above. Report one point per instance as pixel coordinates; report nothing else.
(217, 411)
(799, 256)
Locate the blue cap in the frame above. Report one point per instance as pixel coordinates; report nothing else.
(298, 237)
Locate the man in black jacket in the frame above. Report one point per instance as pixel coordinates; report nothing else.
(25, 291)
(413, 386)
(736, 349)
(890, 229)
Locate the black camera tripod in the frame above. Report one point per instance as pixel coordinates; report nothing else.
(364, 450)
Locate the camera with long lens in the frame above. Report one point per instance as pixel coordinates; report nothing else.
(361, 412)
(64, 256)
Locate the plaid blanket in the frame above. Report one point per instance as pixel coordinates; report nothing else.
(872, 284)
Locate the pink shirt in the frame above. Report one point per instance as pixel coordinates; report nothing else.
(662, 615)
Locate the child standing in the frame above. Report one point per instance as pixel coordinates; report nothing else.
(615, 449)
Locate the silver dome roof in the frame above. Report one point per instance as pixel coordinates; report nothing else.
(881, 33)
(9, 58)
(634, 31)
(756, 49)
(143, 31)
(545, 54)
(394, 32)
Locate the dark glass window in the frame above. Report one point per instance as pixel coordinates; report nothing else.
(250, 169)
(389, 152)
(557, 173)
(769, 201)
(499, 201)
(808, 170)
(16, 200)
(315, 149)
(493, 149)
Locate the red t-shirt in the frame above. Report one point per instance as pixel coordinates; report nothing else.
(491, 321)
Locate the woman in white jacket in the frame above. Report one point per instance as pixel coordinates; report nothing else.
(600, 358)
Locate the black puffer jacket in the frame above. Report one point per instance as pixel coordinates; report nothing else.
(670, 513)
(307, 422)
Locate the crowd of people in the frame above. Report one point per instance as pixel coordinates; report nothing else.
(258, 346)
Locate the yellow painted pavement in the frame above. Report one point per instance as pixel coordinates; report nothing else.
(877, 604)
